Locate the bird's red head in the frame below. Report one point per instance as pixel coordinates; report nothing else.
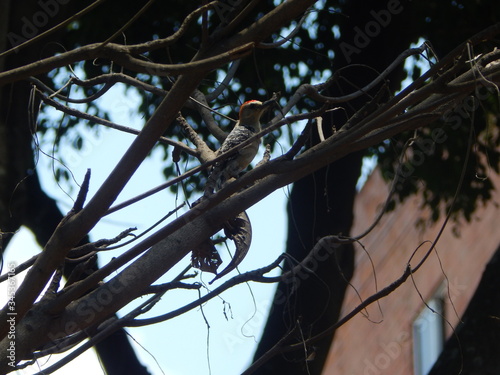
(250, 104)
(253, 109)
(250, 101)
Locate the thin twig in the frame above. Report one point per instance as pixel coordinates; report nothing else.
(109, 124)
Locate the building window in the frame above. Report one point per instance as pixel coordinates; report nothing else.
(428, 336)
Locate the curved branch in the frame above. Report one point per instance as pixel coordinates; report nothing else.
(107, 79)
(255, 275)
(129, 22)
(280, 345)
(20, 268)
(122, 55)
(109, 124)
(313, 90)
(40, 85)
(289, 36)
(203, 152)
(165, 42)
(201, 105)
(225, 82)
(163, 70)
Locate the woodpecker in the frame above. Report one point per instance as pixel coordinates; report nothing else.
(247, 126)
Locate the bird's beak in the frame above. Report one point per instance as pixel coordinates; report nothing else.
(268, 103)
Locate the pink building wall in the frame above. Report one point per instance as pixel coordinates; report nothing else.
(382, 342)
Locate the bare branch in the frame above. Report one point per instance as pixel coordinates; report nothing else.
(289, 37)
(109, 124)
(165, 42)
(225, 82)
(204, 153)
(205, 111)
(107, 79)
